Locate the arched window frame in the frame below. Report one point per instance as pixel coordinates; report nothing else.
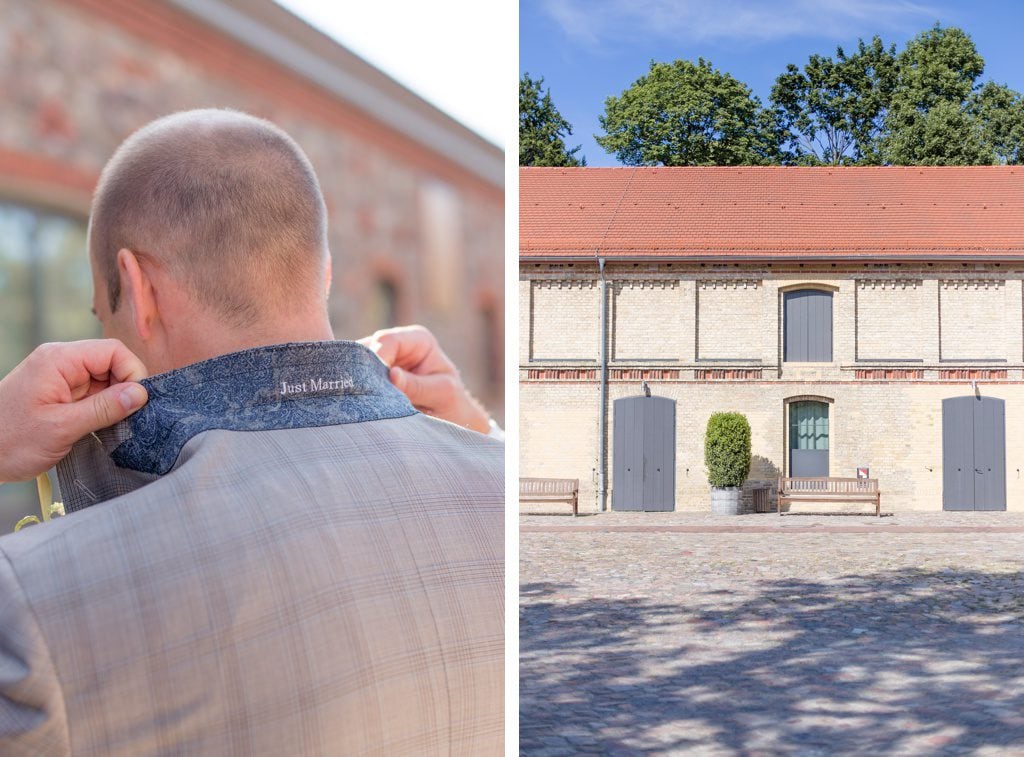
(785, 356)
(786, 406)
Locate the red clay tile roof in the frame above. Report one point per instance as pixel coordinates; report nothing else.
(777, 212)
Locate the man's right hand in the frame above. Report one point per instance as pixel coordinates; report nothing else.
(421, 370)
(60, 393)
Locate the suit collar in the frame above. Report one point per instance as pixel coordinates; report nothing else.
(294, 385)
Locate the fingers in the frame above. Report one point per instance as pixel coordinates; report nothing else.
(426, 393)
(103, 409)
(442, 395)
(94, 360)
(408, 347)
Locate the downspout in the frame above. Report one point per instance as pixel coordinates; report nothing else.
(602, 463)
(601, 477)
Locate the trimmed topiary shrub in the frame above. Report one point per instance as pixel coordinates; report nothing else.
(727, 449)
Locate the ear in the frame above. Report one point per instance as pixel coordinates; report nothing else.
(137, 293)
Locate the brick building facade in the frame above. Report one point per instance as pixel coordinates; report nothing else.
(415, 200)
(836, 308)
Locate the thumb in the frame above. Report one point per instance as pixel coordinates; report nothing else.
(408, 384)
(104, 408)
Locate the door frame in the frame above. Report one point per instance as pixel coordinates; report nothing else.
(830, 401)
(672, 449)
(973, 398)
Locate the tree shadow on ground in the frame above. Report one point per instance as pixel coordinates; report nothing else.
(909, 662)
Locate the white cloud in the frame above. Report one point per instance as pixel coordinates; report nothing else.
(603, 21)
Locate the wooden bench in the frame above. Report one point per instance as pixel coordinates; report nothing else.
(829, 490)
(565, 490)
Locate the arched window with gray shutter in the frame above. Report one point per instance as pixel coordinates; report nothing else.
(807, 333)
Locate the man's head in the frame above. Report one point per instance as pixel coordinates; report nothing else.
(208, 233)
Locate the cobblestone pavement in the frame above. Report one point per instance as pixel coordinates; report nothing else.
(782, 636)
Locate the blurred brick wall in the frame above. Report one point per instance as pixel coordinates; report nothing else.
(79, 76)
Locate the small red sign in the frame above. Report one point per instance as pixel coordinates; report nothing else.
(862, 473)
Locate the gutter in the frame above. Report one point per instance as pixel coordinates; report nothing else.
(601, 461)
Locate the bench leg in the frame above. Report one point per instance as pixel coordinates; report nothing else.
(878, 505)
(575, 505)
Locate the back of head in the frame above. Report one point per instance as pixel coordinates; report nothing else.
(227, 203)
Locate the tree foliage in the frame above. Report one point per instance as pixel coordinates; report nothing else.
(542, 129)
(833, 110)
(1000, 112)
(929, 121)
(923, 106)
(727, 449)
(688, 114)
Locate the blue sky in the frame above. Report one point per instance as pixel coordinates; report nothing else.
(587, 50)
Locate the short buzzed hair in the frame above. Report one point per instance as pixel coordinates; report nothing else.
(227, 202)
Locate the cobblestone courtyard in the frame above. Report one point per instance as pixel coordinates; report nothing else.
(668, 633)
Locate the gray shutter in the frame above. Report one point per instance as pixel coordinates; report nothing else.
(958, 453)
(807, 332)
(989, 454)
(627, 454)
(659, 453)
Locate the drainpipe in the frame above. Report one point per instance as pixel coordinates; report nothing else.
(601, 462)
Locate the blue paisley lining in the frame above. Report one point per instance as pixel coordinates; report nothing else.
(297, 385)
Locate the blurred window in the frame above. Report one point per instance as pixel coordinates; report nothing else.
(45, 296)
(443, 243)
(493, 347)
(384, 304)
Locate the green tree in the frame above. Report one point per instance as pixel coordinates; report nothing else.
(833, 111)
(938, 65)
(689, 114)
(542, 128)
(929, 121)
(944, 135)
(1000, 112)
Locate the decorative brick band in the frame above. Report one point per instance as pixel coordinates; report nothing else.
(642, 374)
(971, 283)
(715, 374)
(622, 284)
(562, 374)
(891, 283)
(970, 373)
(730, 283)
(890, 373)
(587, 283)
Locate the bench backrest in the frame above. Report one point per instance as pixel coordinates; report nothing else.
(828, 485)
(548, 486)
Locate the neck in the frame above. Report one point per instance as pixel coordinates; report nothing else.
(202, 343)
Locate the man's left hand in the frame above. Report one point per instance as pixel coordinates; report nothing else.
(60, 393)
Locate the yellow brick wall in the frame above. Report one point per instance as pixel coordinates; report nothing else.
(974, 319)
(892, 426)
(729, 314)
(649, 320)
(558, 435)
(895, 318)
(564, 320)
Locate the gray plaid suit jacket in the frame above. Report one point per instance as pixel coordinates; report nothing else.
(322, 577)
